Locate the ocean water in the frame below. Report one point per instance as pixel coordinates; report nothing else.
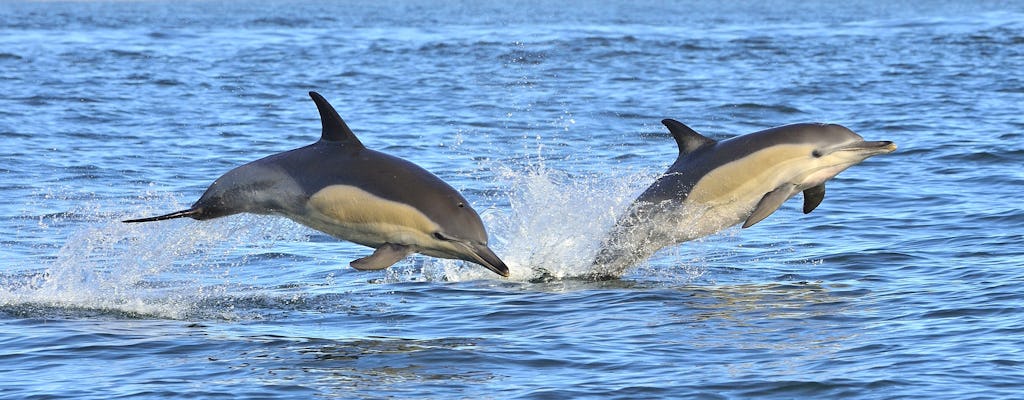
(907, 282)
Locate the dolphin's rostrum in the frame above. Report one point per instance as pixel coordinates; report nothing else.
(340, 187)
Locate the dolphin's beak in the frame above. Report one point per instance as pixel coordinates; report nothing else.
(194, 213)
(872, 148)
(481, 254)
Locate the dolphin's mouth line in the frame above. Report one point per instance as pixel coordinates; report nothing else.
(878, 147)
(192, 213)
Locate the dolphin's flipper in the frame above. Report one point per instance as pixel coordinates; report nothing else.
(334, 128)
(687, 138)
(768, 204)
(813, 197)
(385, 256)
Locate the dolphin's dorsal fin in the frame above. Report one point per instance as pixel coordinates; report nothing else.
(687, 139)
(335, 129)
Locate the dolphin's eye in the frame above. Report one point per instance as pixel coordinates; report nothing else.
(816, 153)
(462, 205)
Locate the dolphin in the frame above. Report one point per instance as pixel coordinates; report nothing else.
(717, 184)
(340, 187)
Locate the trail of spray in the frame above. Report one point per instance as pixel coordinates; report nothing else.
(164, 270)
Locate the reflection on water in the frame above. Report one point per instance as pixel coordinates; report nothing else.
(803, 320)
(382, 363)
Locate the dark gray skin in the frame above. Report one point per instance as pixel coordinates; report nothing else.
(284, 183)
(742, 179)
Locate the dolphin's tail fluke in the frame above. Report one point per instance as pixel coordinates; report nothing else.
(192, 212)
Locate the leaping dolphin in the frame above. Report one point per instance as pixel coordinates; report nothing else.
(714, 185)
(340, 187)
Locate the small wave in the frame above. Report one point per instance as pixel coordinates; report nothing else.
(136, 54)
(168, 82)
(284, 22)
(779, 108)
(523, 55)
(753, 40)
(175, 34)
(48, 310)
(690, 46)
(986, 157)
(605, 41)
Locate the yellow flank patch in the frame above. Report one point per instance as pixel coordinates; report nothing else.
(352, 207)
(760, 172)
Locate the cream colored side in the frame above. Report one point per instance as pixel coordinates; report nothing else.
(747, 179)
(352, 214)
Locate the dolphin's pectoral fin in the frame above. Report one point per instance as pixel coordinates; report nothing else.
(385, 256)
(813, 197)
(768, 204)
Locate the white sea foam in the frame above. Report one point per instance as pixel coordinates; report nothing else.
(554, 224)
(164, 270)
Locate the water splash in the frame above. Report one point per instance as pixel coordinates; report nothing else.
(554, 223)
(165, 270)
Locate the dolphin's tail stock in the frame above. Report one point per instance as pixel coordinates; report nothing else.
(610, 263)
(192, 212)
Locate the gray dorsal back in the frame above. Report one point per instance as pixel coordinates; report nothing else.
(687, 139)
(335, 129)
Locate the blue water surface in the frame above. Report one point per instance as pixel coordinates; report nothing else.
(907, 282)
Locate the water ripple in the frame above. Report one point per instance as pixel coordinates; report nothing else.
(904, 283)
